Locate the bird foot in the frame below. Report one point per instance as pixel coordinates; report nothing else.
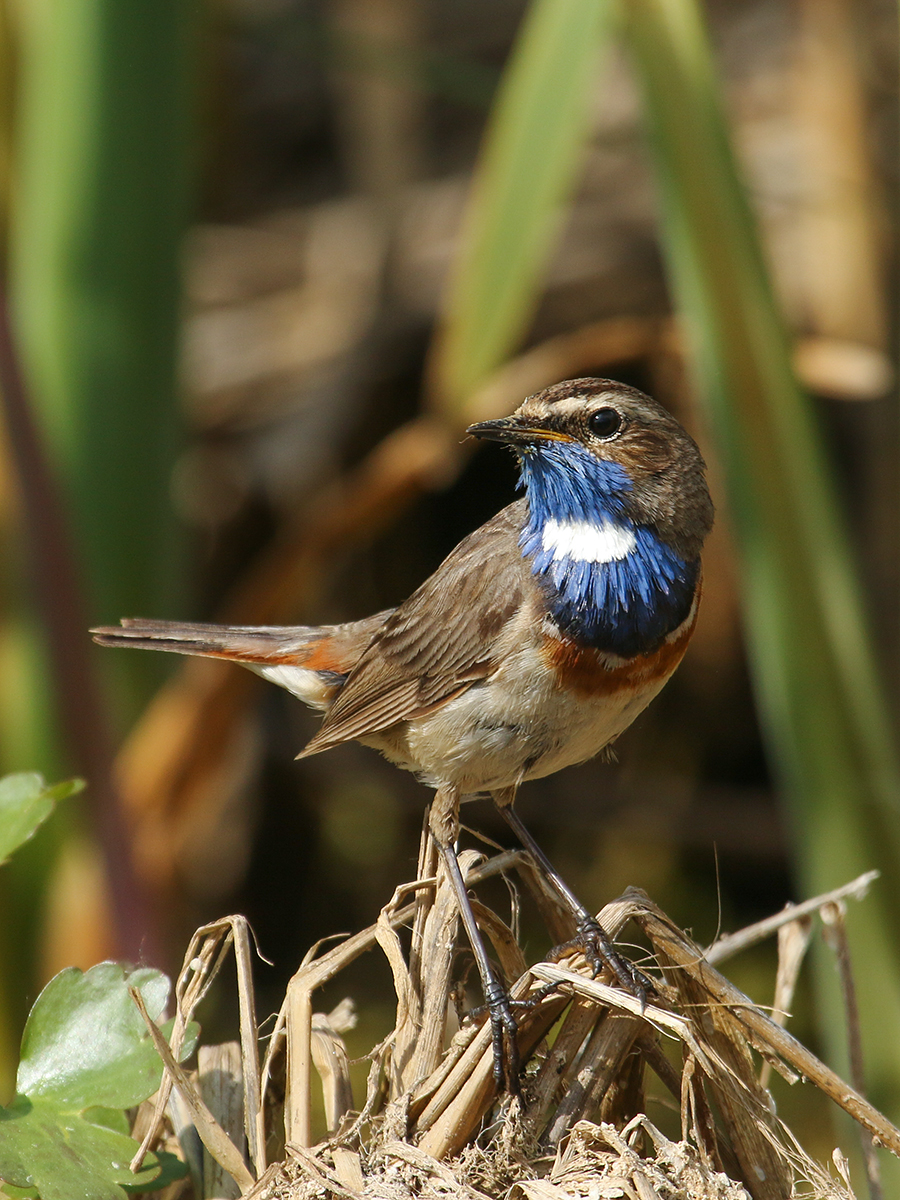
(594, 943)
(500, 1007)
(504, 1038)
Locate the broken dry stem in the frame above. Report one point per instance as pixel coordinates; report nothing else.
(599, 1064)
(295, 1018)
(760, 1028)
(449, 1132)
(213, 1136)
(734, 943)
(205, 955)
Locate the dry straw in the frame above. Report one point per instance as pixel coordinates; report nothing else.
(431, 1124)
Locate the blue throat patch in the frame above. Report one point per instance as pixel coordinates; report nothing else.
(627, 606)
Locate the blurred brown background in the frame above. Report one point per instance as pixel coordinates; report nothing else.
(324, 170)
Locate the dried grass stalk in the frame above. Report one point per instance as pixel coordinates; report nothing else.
(432, 1124)
(221, 1084)
(213, 1136)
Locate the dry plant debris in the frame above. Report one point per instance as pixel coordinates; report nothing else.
(432, 1125)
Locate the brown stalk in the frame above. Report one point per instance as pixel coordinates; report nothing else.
(793, 940)
(512, 960)
(737, 1093)
(419, 1046)
(549, 1082)
(607, 1048)
(220, 1085)
(835, 929)
(330, 1060)
(720, 993)
(733, 943)
(213, 1136)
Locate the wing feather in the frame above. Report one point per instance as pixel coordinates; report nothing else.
(440, 641)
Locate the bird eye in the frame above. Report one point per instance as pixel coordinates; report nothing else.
(604, 422)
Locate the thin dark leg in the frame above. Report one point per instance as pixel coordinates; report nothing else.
(591, 937)
(504, 1029)
(443, 821)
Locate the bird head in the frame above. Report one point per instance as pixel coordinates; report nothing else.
(598, 450)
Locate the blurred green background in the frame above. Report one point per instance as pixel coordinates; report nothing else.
(264, 260)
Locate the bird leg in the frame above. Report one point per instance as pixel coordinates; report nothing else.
(444, 825)
(591, 938)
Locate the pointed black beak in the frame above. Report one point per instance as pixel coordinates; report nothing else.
(513, 431)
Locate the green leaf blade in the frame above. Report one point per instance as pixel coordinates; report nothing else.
(528, 165)
(820, 698)
(25, 803)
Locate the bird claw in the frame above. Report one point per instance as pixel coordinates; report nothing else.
(594, 943)
(500, 1006)
(504, 1038)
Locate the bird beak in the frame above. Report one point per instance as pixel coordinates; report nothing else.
(515, 432)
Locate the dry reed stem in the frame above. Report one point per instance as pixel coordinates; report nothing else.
(348, 1168)
(747, 1112)
(203, 960)
(329, 1055)
(221, 1086)
(834, 928)
(543, 1092)
(410, 996)
(734, 943)
(419, 1044)
(298, 1094)
(793, 941)
(213, 1136)
(600, 1063)
(509, 955)
(417, 1136)
(756, 1026)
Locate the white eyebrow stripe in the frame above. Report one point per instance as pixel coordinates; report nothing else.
(588, 541)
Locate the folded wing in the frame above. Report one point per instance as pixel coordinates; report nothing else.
(439, 642)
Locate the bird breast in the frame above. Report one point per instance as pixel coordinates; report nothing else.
(525, 721)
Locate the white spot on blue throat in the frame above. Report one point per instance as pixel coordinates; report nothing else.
(588, 541)
(610, 581)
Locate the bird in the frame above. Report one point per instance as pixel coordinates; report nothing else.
(532, 647)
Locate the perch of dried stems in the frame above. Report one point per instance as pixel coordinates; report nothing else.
(432, 1124)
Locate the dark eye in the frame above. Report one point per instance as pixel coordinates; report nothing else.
(604, 422)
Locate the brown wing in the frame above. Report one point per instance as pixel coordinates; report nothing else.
(440, 641)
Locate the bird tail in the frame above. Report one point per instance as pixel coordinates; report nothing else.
(241, 643)
(311, 661)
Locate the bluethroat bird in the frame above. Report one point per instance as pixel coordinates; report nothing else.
(535, 644)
